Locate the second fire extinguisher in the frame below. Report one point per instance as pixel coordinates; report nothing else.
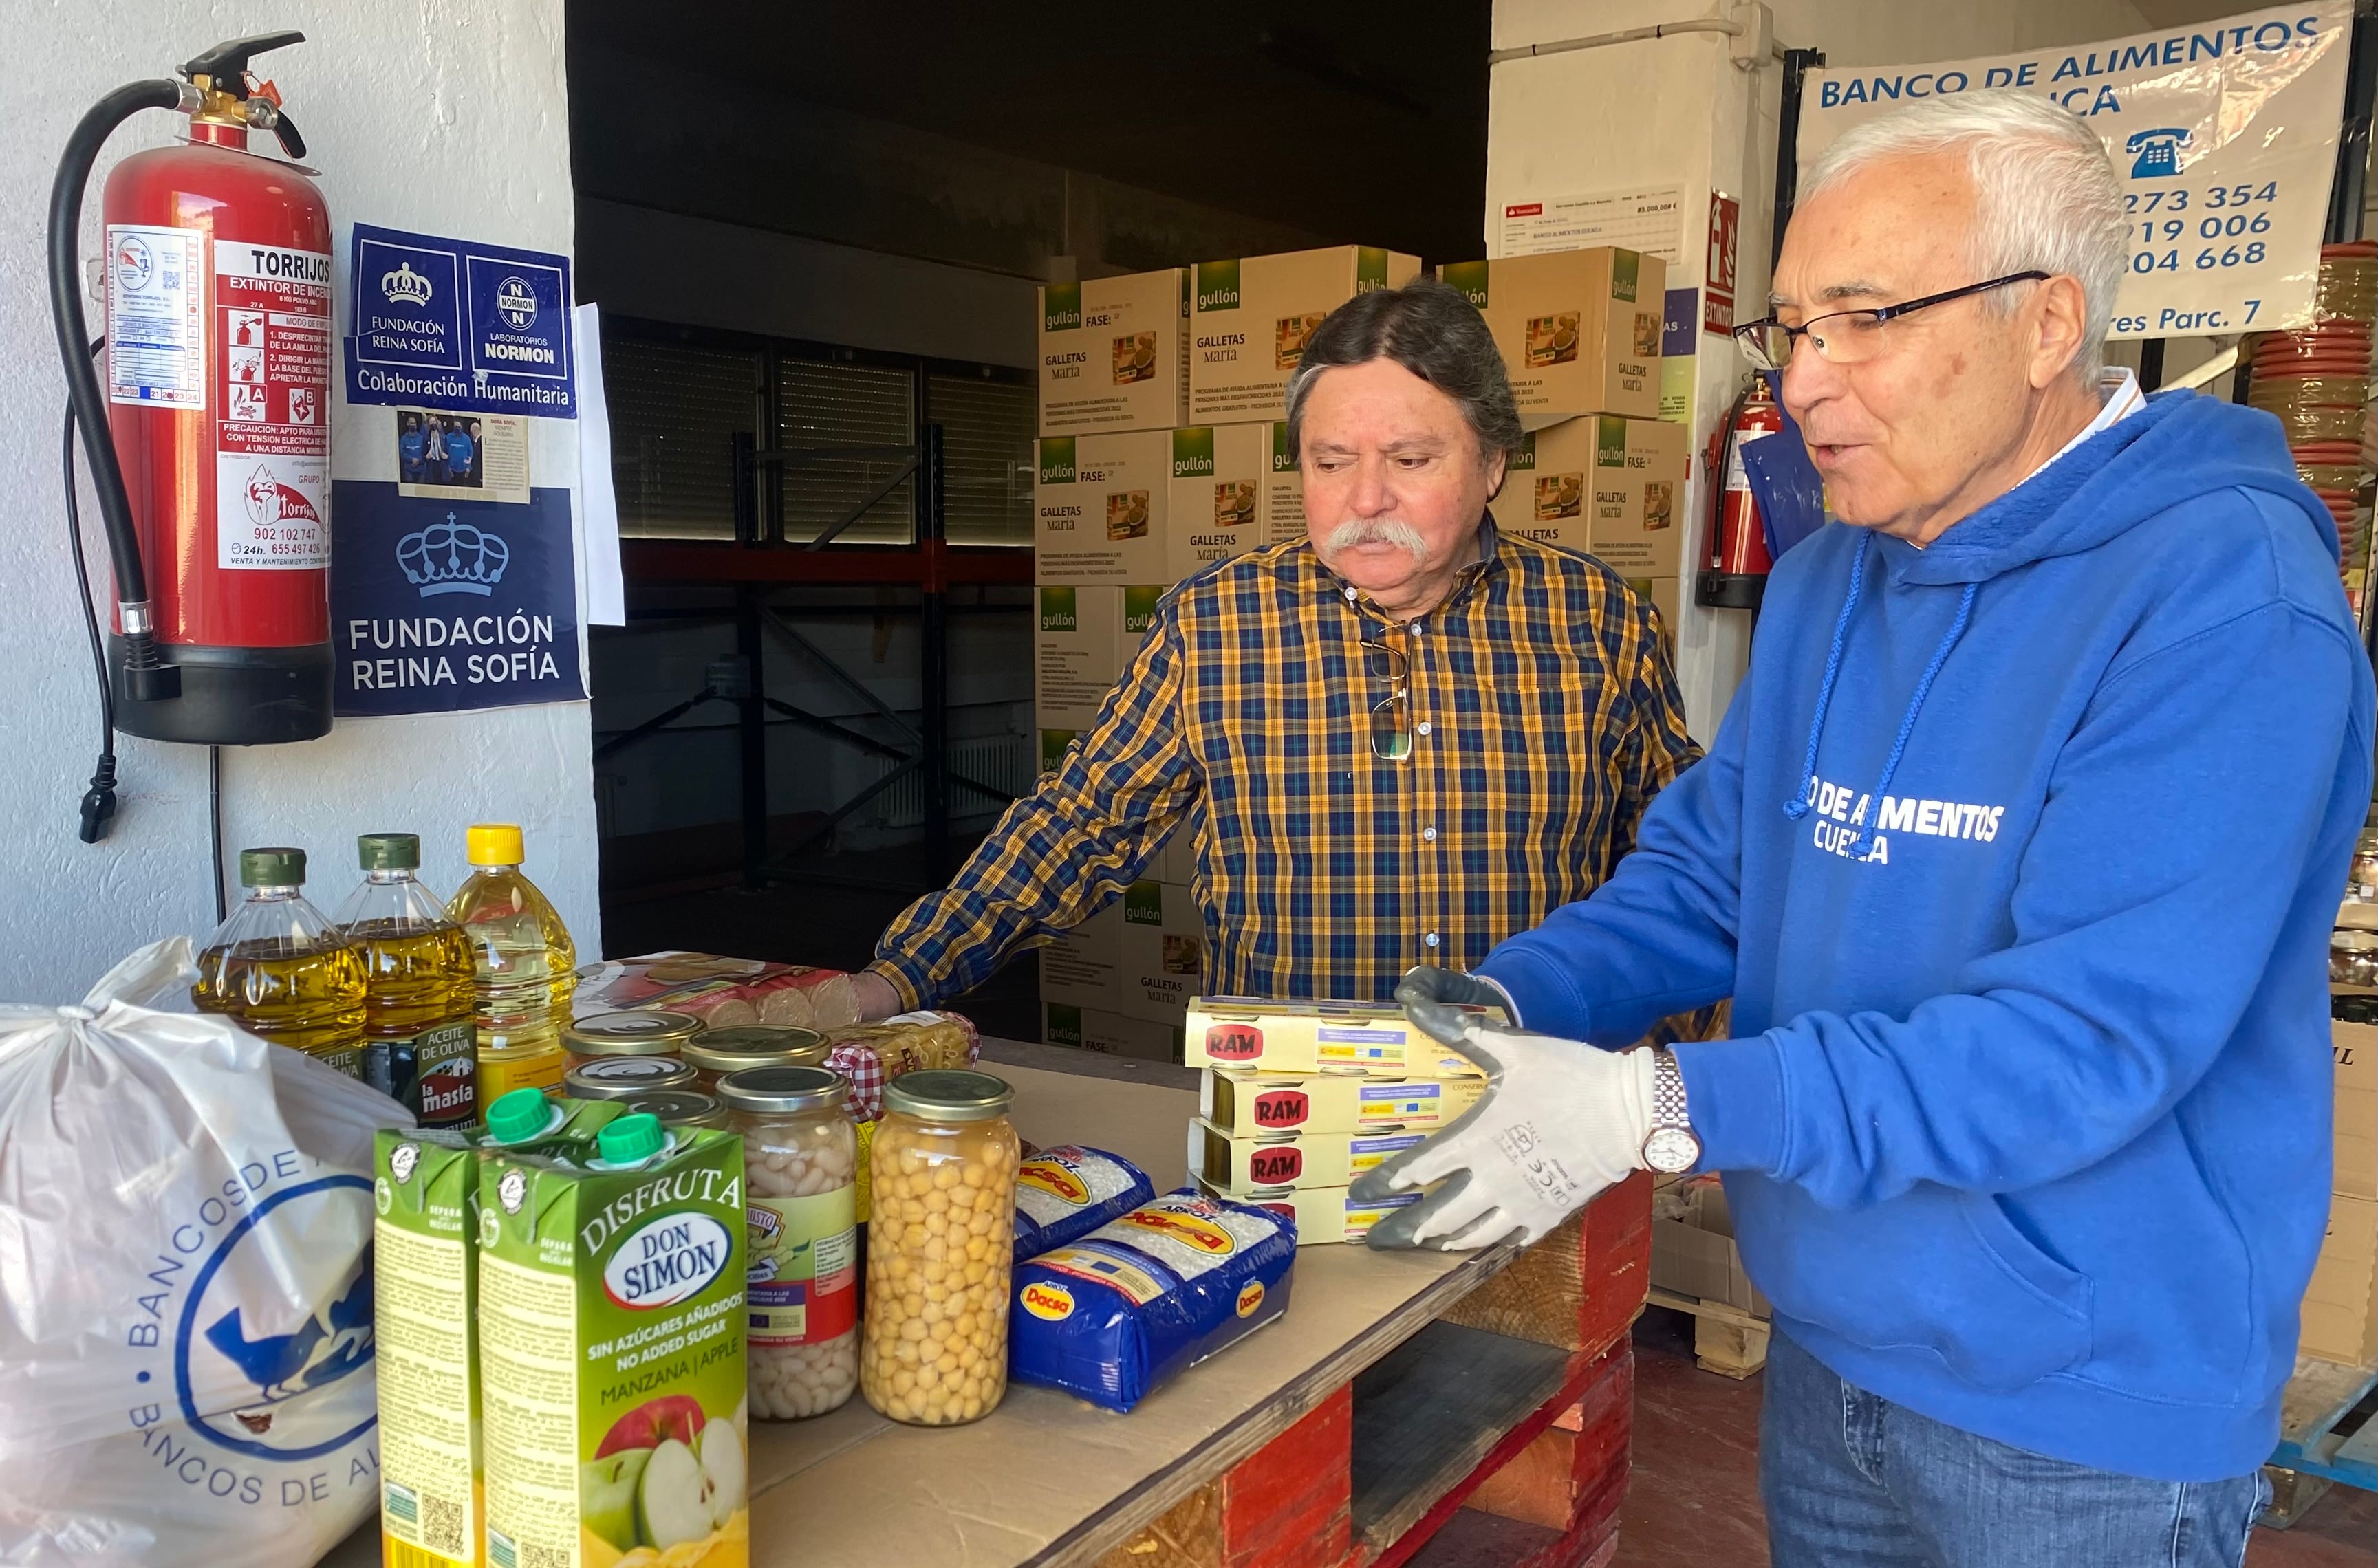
(210, 444)
(1734, 574)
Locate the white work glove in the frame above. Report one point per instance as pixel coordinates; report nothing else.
(1560, 1120)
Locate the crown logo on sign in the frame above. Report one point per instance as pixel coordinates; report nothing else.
(405, 284)
(452, 557)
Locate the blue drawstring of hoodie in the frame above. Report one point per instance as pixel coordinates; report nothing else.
(1799, 805)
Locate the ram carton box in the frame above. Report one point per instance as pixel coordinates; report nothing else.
(1085, 638)
(1113, 354)
(1310, 1037)
(1215, 507)
(1250, 318)
(1161, 952)
(1580, 330)
(1323, 1214)
(1256, 1105)
(1110, 1034)
(1099, 508)
(1611, 486)
(1283, 497)
(1277, 1162)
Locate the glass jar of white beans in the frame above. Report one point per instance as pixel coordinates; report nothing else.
(800, 1161)
(941, 1236)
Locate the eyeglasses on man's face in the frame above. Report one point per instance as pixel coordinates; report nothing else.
(1849, 337)
(1391, 736)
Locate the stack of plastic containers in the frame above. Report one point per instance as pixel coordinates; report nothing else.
(2316, 380)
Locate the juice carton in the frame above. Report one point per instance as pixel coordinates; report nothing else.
(425, 1188)
(611, 1352)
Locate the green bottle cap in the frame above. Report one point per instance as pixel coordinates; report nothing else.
(278, 867)
(389, 852)
(632, 1140)
(518, 1114)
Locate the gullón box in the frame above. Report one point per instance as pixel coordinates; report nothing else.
(1162, 951)
(1084, 638)
(1216, 507)
(1113, 353)
(1580, 330)
(1250, 318)
(1100, 504)
(1283, 497)
(1611, 486)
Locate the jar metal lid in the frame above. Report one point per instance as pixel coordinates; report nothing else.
(780, 1090)
(680, 1108)
(940, 1094)
(653, 1031)
(626, 1077)
(734, 1050)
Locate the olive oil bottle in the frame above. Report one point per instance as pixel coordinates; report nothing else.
(420, 1046)
(282, 972)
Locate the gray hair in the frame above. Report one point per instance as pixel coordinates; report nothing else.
(2045, 194)
(1432, 330)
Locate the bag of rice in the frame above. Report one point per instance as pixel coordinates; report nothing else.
(1065, 1192)
(1116, 1313)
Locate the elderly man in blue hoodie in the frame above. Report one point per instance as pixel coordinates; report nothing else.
(2018, 853)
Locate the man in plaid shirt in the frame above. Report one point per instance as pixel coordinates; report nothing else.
(1398, 741)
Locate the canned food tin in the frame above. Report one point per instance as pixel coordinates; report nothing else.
(626, 1077)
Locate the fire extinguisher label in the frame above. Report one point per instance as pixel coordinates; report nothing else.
(1737, 478)
(272, 307)
(156, 315)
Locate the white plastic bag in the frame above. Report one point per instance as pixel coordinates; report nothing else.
(185, 1307)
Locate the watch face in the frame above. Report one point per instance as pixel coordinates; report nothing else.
(1671, 1149)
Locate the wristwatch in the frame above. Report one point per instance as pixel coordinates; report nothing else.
(1670, 1146)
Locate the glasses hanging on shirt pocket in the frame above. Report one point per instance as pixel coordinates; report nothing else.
(1391, 736)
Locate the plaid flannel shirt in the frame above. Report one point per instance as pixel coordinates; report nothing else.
(1544, 717)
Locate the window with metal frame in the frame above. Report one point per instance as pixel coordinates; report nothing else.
(986, 426)
(854, 415)
(675, 408)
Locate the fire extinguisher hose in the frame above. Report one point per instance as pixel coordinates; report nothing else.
(146, 680)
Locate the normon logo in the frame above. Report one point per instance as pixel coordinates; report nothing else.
(666, 1261)
(405, 286)
(1060, 610)
(1193, 451)
(452, 557)
(1218, 285)
(1057, 459)
(1469, 277)
(1060, 307)
(516, 303)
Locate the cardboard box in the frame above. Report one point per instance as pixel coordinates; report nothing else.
(2340, 1306)
(1114, 354)
(1053, 746)
(1085, 637)
(1275, 1163)
(1322, 1215)
(1099, 507)
(1250, 318)
(1613, 487)
(1283, 500)
(1219, 483)
(2355, 1046)
(1308, 1036)
(1110, 1033)
(1255, 1105)
(1696, 1254)
(1161, 952)
(1083, 966)
(1580, 330)
(1177, 861)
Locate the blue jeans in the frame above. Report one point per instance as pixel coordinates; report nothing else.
(1852, 1480)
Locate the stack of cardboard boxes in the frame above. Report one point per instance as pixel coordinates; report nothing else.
(1162, 450)
(1601, 472)
(1299, 1098)
(2340, 1308)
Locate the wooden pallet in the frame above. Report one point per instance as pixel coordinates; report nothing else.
(2320, 1442)
(1726, 1340)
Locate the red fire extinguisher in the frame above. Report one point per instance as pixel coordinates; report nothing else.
(209, 443)
(1734, 577)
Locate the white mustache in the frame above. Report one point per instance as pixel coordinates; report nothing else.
(1358, 532)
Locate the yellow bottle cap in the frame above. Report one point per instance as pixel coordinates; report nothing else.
(495, 844)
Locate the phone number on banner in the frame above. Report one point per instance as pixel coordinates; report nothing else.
(2211, 228)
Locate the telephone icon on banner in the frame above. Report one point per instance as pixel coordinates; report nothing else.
(2157, 150)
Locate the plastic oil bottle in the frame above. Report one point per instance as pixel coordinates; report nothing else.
(281, 970)
(525, 966)
(420, 1038)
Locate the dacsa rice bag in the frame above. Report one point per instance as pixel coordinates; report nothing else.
(1112, 1316)
(1062, 1194)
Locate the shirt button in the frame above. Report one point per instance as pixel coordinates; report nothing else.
(1430, 938)
(1428, 835)
(1424, 726)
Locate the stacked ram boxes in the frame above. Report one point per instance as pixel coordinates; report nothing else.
(1599, 471)
(1161, 451)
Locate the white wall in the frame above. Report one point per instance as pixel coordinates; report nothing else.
(447, 116)
(1677, 109)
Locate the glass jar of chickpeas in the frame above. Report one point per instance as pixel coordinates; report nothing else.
(800, 1161)
(941, 1236)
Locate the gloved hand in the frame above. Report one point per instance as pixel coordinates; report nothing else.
(1426, 982)
(1560, 1120)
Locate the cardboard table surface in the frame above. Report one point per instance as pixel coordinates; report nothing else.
(1046, 1479)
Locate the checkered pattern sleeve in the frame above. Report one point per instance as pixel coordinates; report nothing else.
(1656, 747)
(1067, 849)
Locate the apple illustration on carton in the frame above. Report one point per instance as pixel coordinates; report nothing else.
(665, 1474)
(654, 1422)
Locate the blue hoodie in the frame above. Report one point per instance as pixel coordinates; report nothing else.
(2025, 1125)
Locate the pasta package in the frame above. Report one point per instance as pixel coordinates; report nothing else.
(725, 993)
(1113, 1316)
(1062, 1194)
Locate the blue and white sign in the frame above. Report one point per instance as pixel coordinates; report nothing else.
(453, 324)
(438, 605)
